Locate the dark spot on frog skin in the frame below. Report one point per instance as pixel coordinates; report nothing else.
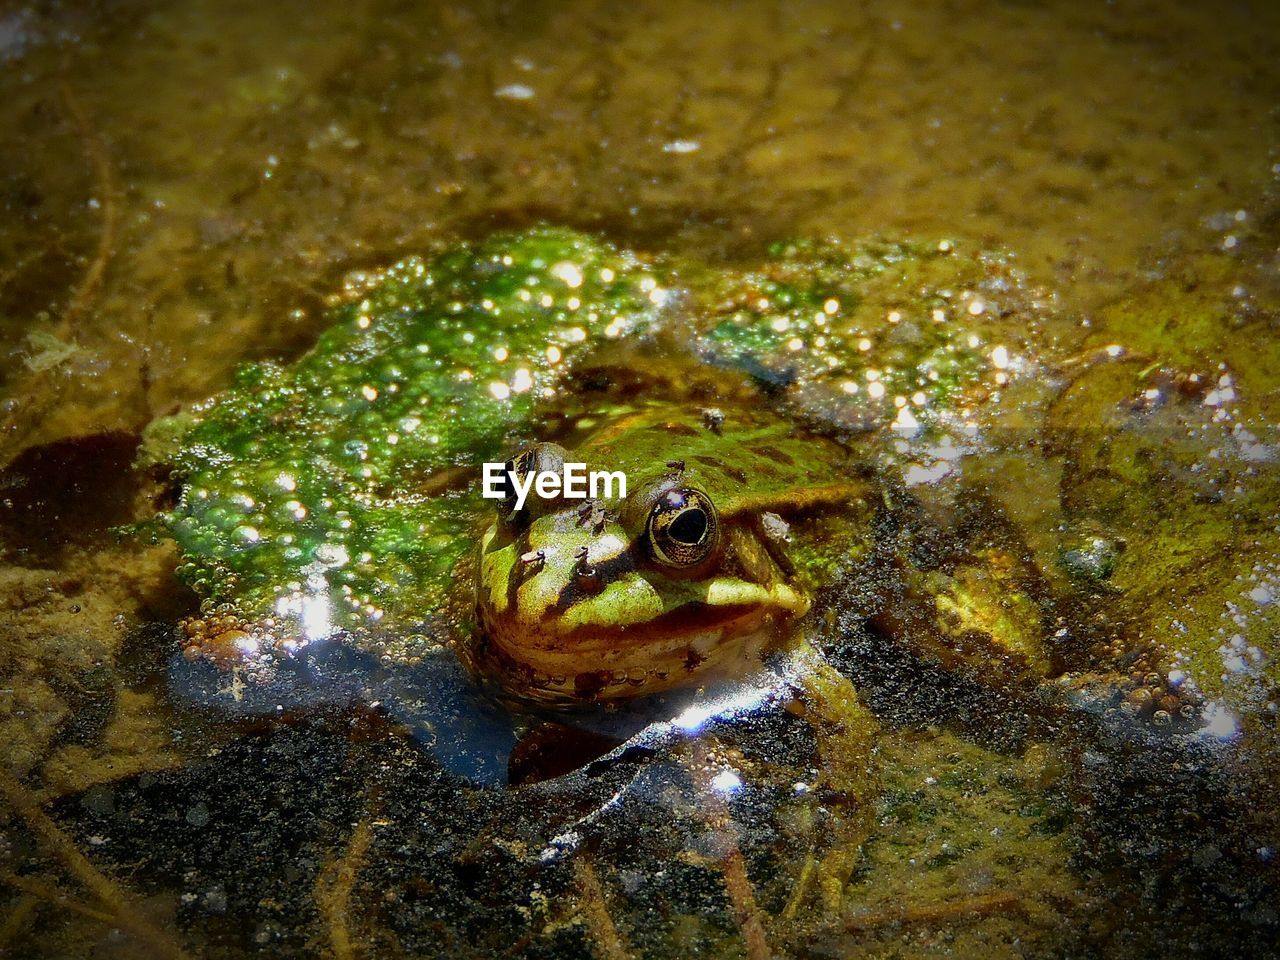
(773, 453)
(589, 580)
(675, 429)
(715, 463)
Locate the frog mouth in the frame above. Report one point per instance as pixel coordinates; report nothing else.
(680, 626)
(686, 645)
(571, 629)
(696, 615)
(695, 621)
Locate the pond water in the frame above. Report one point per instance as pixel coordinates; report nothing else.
(961, 320)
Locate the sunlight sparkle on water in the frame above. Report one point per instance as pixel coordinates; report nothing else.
(727, 781)
(1219, 722)
(694, 718)
(312, 609)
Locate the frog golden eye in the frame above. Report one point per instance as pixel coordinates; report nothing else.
(683, 528)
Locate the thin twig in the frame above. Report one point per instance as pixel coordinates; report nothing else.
(335, 883)
(48, 893)
(99, 884)
(596, 909)
(18, 918)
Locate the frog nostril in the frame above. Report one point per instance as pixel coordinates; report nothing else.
(586, 574)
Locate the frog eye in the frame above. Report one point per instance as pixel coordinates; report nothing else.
(683, 528)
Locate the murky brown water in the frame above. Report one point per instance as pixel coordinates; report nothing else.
(183, 186)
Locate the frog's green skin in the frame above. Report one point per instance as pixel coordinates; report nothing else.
(579, 601)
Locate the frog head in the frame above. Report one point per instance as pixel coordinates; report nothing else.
(683, 578)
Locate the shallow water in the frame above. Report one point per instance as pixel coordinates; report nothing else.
(185, 189)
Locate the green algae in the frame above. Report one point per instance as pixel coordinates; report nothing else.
(857, 330)
(339, 492)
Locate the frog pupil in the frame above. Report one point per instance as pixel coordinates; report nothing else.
(689, 527)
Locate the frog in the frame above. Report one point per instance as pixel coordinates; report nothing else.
(699, 574)
(690, 575)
